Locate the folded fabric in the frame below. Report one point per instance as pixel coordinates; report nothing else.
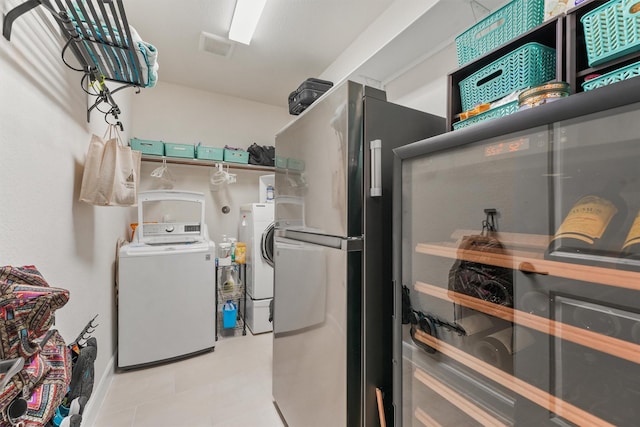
(148, 58)
(146, 53)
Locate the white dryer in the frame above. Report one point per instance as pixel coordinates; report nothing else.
(166, 286)
(256, 230)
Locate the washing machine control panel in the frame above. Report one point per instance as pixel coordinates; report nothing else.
(160, 233)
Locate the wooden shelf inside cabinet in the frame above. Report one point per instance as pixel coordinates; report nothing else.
(603, 343)
(533, 262)
(209, 163)
(426, 419)
(550, 33)
(540, 397)
(461, 402)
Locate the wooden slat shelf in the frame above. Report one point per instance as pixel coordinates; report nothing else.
(426, 419)
(515, 240)
(603, 343)
(540, 397)
(532, 262)
(468, 407)
(210, 163)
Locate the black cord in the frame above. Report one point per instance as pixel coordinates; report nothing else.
(82, 81)
(436, 321)
(66, 46)
(103, 112)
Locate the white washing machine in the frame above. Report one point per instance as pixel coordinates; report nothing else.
(166, 286)
(256, 230)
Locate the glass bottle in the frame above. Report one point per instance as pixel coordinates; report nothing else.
(593, 224)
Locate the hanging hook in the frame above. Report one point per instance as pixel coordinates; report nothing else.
(489, 224)
(118, 123)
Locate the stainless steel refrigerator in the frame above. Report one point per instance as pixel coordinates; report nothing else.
(333, 299)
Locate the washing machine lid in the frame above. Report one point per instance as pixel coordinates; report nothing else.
(142, 249)
(161, 233)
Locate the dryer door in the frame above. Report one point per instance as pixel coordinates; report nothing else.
(266, 244)
(260, 262)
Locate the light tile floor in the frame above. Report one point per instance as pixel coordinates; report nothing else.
(229, 387)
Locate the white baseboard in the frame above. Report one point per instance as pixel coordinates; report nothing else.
(99, 393)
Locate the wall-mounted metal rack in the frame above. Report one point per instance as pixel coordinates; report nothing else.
(98, 34)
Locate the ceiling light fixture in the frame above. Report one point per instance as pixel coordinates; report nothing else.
(245, 20)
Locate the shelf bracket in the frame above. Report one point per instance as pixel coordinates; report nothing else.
(98, 34)
(14, 14)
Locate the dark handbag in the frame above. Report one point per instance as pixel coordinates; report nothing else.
(482, 280)
(262, 155)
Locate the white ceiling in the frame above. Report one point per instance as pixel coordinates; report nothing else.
(295, 39)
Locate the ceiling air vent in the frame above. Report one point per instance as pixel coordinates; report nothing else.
(215, 44)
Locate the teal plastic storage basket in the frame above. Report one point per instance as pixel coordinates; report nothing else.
(147, 147)
(503, 25)
(619, 75)
(530, 65)
(494, 113)
(612, 30)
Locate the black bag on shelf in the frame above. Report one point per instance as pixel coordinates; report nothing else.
(306, 94)
(262, 155)
(482, 280)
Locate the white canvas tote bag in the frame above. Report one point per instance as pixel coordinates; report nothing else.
(111, 172)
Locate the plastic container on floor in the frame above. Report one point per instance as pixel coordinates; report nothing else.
(229, 315)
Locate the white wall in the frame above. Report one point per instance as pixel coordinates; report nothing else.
(174, 113)
(44, 137)
(400, 15)
(409, 50)
(424, 87)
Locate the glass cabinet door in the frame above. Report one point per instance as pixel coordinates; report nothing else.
(521, 298)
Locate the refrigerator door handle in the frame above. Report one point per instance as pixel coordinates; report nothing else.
(376, 167)
(349, 244)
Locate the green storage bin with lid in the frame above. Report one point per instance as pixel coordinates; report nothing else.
(186, 151)
(145, 146)
(236, 156)
(204, 152)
